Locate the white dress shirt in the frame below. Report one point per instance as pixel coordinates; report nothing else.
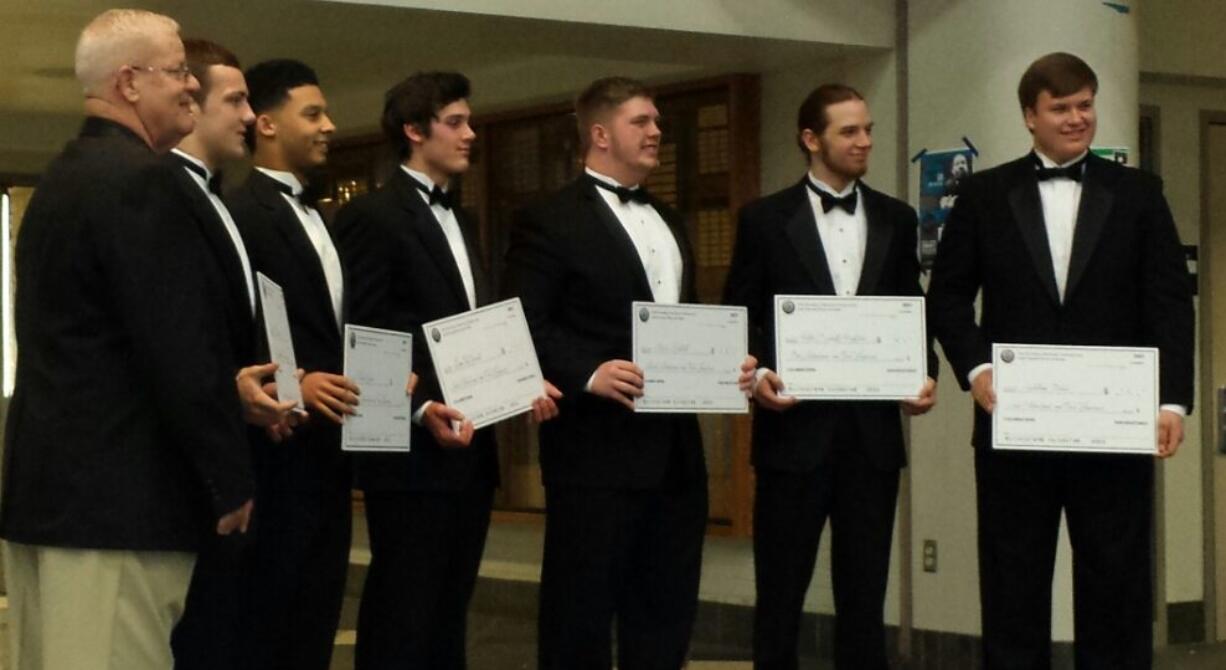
(451, 230)
(843, 236)
(317, 232)
(1060, 197)
(652, 238)
(226, 220)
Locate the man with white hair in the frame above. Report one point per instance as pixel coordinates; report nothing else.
(124, 445)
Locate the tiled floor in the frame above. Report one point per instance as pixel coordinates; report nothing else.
(503, 637)
(502, 633)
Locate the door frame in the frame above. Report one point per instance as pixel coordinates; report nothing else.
(1215, 599)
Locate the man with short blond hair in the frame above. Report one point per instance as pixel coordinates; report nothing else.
(626, 493)
(124, 444)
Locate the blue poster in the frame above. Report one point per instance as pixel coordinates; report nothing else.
(941, 174)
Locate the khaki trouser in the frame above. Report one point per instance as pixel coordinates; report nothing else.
(87, 609)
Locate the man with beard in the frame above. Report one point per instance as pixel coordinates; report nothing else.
(300, 552)
(830, 234)
(125, 447)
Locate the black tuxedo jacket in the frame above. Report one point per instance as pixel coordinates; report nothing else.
(1127, 282)
(403, 274)
(577, 272)
(779, 251)
(125, 430)
(278, 246)
(241, 323)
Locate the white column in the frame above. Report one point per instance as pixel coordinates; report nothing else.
(965, 60)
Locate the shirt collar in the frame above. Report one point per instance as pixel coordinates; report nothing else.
(607, 179)
(422, 179)
(829, 189)
(284, 177)
(1049, 163)
(186, 156)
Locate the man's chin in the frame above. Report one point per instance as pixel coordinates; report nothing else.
(234, 154)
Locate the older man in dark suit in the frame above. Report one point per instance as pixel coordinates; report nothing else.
(1069, 249)
(125, 446)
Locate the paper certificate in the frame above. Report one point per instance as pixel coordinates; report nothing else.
(379, 362)
(486, 362)
(850, 348)
(280, 342)
(1058, 398)
(691, 357)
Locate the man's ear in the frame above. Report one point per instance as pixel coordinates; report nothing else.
(599, 136)
(413, 132)
(265, 126)
(125, 83)
(812, 142)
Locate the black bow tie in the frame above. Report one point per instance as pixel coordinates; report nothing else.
(213, 182)
(830, 201)
(624, 194)
(437, 195)
(307, 197)
(1074, 171)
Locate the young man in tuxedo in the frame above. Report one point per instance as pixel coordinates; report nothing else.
(1067, 248)
(209, 634)
(300, 552)
(125, 450)
(626, 493)
(829, 234)
(412, 256)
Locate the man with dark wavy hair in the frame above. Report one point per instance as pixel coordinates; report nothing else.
(412, 255)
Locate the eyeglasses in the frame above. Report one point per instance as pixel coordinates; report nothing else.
(181, 72)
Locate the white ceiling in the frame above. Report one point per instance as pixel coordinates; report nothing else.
(358, 52)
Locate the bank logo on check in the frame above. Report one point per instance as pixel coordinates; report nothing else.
(788, 307)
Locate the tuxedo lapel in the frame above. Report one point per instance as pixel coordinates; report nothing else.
(1028, 215)
(220, 243)
(1096, 200)
(430, 232)
(285, 219)
(802, 231)
(877, 243)
(625, 246)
